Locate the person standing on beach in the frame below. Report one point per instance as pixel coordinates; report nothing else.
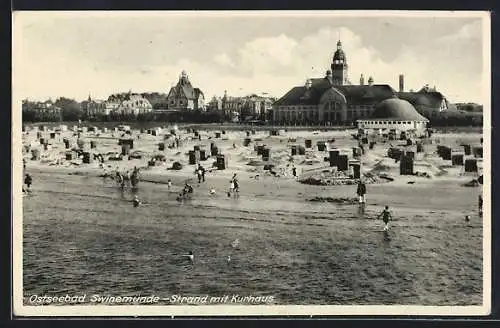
(198, 173)
(294, 171)
(361, 191)
(134, 179)
(386, 217)
(119, 179)
(202, 173)
(231, 188)
(127, 174)
(169, 184)
(480, 205)
(236, 185)
(28, 180)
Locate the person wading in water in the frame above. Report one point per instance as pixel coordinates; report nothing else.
(134, 179)
(231, 188)
(199, 173)
(234, 187)
(119, 180)
(386, 217)
(186, 191)
(136, 201)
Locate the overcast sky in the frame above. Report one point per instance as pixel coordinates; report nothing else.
(74, 54)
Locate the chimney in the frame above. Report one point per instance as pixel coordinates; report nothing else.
(362, 80)
(401, 83)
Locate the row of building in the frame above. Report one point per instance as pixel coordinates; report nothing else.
(241, 108)
(333, 99)
(181, 97)
(329, 100)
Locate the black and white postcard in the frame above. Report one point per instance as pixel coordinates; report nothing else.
(235, 163)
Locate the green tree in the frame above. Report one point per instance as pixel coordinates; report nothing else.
(71, 109)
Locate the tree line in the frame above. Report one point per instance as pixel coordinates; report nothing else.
(65, 109)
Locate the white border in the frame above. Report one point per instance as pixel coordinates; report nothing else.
(256, 310)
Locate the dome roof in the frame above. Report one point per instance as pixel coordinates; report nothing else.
(396, 109)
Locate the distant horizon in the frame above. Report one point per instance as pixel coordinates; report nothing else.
(63, 54)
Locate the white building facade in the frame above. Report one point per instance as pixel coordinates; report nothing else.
(397, 115)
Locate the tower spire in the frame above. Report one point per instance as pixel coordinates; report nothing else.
(339, 65)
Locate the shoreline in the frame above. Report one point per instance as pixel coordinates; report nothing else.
(240, 127)
(162, 176)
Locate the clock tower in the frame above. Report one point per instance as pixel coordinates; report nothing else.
(339, 66)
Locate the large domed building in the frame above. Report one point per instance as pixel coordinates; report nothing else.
(335, 100)
(395, 114)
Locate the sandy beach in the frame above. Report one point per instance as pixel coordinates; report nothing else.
(301, 243)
